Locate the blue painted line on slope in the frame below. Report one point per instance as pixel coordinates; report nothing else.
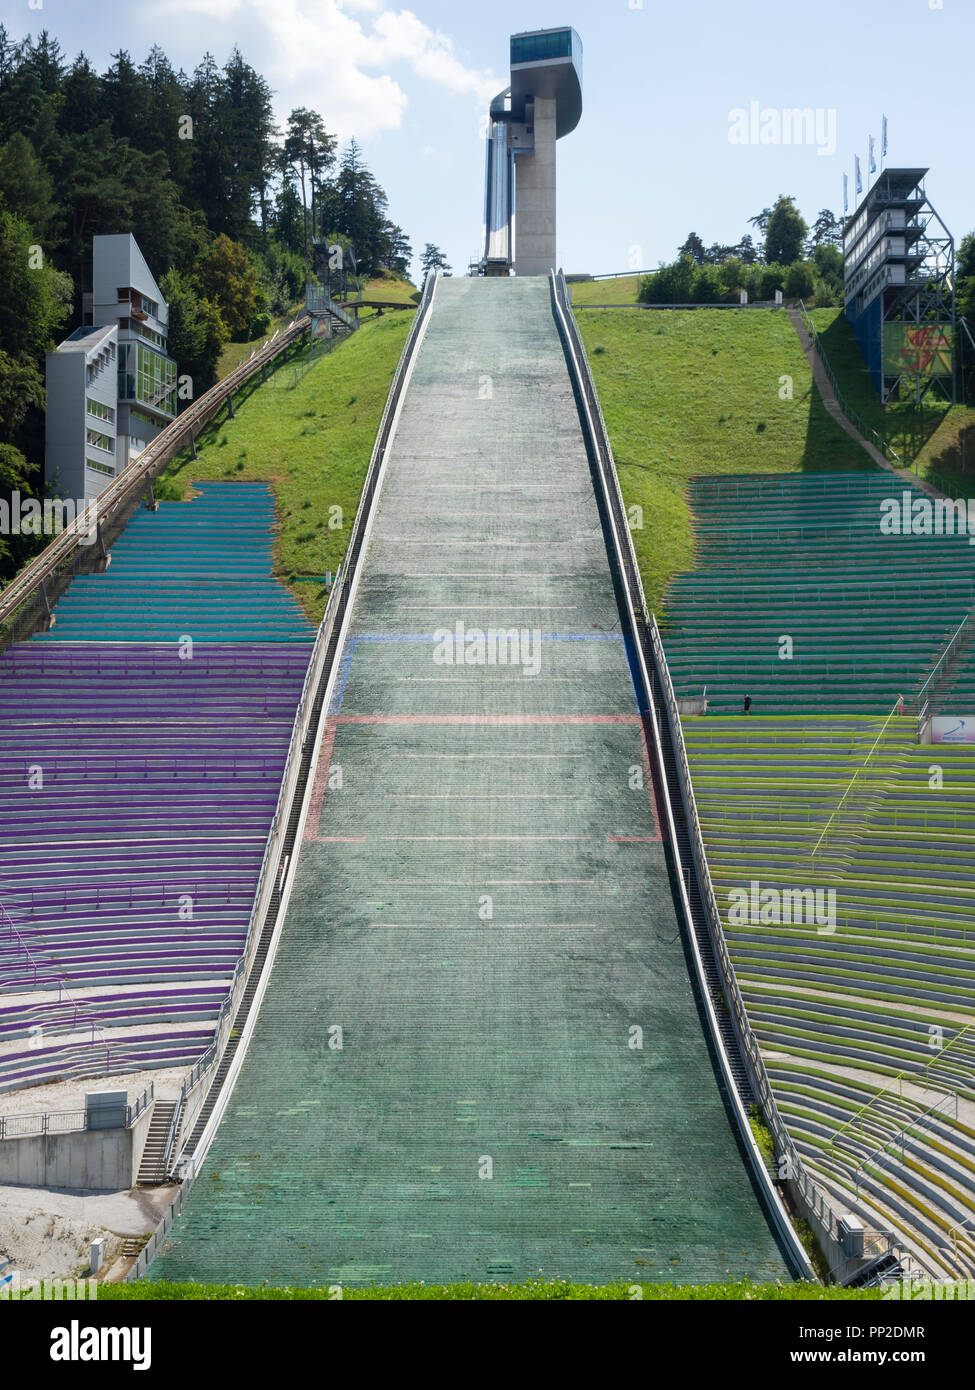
(345, 671)
(632, 667)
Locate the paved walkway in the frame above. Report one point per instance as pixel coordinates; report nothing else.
(482, 903)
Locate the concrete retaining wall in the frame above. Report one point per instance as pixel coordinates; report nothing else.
(104, 1160)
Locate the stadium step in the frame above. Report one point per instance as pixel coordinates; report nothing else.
(152, 1169)
(137, 858)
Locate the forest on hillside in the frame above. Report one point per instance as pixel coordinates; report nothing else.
(225, 206)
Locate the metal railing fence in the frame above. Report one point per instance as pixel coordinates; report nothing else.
(67, 1121)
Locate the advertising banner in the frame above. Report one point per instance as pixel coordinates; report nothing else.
(952, 728)
(917, 349)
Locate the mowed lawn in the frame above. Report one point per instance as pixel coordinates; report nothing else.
(623, 290)
(702, 391)
(540, 1291)
(312, 444)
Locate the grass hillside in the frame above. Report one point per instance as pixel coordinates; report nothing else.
(695, 392)
(312, 443)
(235, 353)
(385, 285)
(388, 286)
(948, 457)
(621, 291)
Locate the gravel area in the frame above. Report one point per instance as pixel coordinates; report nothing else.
(47, 1234)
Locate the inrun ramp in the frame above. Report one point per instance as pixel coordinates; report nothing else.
(482, 903)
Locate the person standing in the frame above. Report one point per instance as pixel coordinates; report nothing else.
(747, 705)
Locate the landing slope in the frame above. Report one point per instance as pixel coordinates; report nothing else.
(482, 903)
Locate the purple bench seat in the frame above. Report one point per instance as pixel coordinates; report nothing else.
(161, 779)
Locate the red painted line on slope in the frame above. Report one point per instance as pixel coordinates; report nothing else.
(321, 782)
(313, 821)
(649, 782)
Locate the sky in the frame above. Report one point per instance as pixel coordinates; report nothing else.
(659, 151)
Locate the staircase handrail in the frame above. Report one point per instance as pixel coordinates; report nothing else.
(839, 805)
(897, 1081)
(938, 664)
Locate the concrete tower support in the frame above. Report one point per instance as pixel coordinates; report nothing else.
(535, 187)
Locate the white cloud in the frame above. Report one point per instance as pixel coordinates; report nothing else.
(431, 55)
(335, 56)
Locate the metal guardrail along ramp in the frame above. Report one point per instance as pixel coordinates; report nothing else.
(481, 903)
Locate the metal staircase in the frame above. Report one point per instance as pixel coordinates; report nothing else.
(152, 1169)
(318, 302)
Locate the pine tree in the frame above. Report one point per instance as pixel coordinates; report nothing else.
(207, 185)
(244, 114)
(45, 61)
(433, 259)
(310, 151)
(397, 251)
(124, 102)
(26, 187)
(166, 105)
(354, 207)
(288, 217)
(81, 108)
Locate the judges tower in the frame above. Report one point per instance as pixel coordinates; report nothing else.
(543, 103)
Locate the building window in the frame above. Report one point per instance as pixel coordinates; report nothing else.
(538, 48)
(144, 418)
(100, 411)
(100, 441)
(148, 377)
(97, 467)
(133, 326)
